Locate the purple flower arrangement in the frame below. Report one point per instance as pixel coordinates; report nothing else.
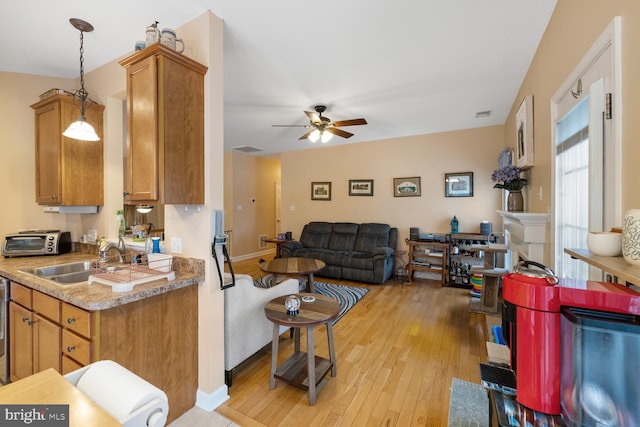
(508, 178)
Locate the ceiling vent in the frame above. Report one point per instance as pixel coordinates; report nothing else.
(483, 114)
(246, 149)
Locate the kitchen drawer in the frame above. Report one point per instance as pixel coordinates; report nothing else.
(21, 295)
(76, 319)
(76, 347)
(46, 306)
(69, 365)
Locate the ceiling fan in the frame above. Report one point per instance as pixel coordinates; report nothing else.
(322, 127)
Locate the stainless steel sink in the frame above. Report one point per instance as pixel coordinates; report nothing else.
(64, 274)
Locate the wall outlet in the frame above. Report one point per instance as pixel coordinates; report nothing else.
(176, 245)
(262, 241)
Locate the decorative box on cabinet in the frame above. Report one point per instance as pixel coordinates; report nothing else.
(427, 256)
(165, 119)
(69, 172)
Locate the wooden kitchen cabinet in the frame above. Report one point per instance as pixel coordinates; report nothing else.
(34, 339)
(165, 122)
(156, 338)
(68, 172)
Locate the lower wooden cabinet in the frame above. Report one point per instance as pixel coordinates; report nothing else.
(39, 339)
(156, 338)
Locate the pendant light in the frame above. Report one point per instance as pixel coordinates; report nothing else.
(81, 129)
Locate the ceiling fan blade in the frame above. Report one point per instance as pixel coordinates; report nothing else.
(306, 135)
(352, 122)
(339, 132)
(313, 116)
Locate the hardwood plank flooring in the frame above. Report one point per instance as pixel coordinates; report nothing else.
(397, 351)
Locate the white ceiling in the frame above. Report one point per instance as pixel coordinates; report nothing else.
(408, 67)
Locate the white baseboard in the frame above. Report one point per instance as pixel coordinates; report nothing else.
(253, 255)
(210, 401)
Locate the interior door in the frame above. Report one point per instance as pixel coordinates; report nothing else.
(278, 208)
(585, 157)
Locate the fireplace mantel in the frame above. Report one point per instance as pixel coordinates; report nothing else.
(526, 233)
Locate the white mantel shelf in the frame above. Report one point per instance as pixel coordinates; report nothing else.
(526, 233)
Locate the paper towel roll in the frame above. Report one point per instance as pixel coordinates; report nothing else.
(118, 390)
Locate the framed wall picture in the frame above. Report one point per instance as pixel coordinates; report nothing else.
(458, 184)
(361, 187)
(524, 133)
(406, 187)
(320, 191)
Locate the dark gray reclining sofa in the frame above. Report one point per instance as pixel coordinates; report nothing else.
(359, 252)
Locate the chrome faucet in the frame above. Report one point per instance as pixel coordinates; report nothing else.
(106, 246)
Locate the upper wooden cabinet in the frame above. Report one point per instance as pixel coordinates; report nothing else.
(68, 172)
(165, 120)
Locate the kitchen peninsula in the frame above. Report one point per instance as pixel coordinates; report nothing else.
(151, 330)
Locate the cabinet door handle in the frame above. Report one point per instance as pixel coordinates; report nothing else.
(70, 320)
(70, 348)
(54, 197)
(25, 319)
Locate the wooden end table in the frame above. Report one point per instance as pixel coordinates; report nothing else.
(277, 242)
(304, 370)
(293, 267)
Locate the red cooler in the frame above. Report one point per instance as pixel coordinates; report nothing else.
(531, 328)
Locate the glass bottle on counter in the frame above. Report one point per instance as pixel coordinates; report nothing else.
(121, 224)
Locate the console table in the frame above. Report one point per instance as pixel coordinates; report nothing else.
(421, 258)
(617, 269)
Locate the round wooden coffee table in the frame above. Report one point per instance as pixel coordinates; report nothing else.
(305, 370)
(293, 267)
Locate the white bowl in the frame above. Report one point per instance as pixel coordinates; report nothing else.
(605, 243)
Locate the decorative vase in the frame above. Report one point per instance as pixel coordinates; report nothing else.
(292, 304)
(631, 236)
(515, 202)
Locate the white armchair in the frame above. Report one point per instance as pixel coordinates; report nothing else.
(246, 328)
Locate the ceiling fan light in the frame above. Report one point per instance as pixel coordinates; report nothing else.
(81, 130)
(326, 137)
(314, 136)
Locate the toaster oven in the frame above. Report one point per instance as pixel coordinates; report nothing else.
(36, 242)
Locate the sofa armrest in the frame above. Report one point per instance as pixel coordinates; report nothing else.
(289, 247)
(383, 250)
(246, 328)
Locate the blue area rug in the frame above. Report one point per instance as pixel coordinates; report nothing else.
(347, 296)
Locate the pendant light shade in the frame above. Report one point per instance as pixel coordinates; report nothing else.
(81, 129)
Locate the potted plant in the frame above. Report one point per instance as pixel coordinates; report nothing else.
(508, 178)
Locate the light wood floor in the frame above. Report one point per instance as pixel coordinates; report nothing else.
(397, 351)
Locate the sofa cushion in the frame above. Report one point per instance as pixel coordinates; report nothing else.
(359, 260)
(316, 235)
(372, 236)
(344, 236)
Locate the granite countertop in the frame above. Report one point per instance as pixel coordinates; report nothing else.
(96, 296)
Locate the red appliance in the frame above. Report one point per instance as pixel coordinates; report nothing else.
(531, 313)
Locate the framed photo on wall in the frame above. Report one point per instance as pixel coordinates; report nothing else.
(406, 187)
(524, 133)
(321, 191)
(361, 187)
(458, 184)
